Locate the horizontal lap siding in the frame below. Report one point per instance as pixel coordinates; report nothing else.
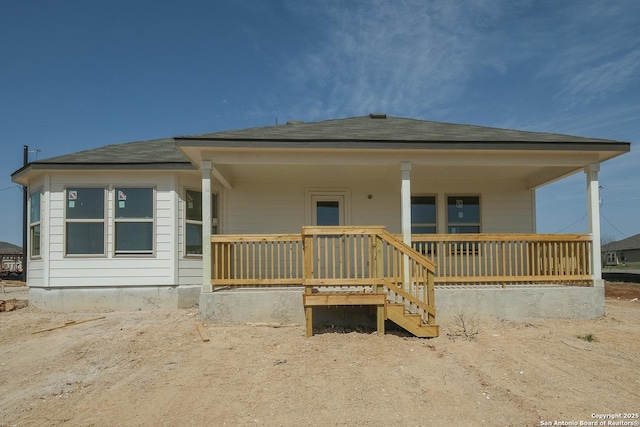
(277, 205)
(35, 273)
(508, 211)
(113, 270)
(505, 206)
(190, 268)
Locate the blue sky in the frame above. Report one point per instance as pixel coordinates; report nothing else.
(77, 74)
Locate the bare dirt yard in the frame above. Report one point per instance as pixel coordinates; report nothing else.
(153, 369)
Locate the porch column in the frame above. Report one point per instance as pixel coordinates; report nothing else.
(593, 200)
(205, 168)
(405, 210)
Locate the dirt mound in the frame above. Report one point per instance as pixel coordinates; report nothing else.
(13, 304)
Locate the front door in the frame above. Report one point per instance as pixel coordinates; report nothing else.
(328, 209)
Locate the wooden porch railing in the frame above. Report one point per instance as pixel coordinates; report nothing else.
(460, 259)
(256, 260)
(508, 259)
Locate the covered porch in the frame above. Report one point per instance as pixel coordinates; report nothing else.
(337, 266)
(459, 201)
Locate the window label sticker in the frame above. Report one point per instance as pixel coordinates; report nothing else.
(121, 204)
(122, 196)
(73, 195)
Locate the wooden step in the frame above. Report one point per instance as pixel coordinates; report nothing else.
(399, 309)
(343, 298)
(408, 323)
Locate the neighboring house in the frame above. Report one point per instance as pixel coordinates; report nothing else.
(622, 252)
(121, 226)
(10, 259)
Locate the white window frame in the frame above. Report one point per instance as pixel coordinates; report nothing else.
(421, 224)
(152, 220)
(215, 209)
(341, 195)
(469, 224)
(105, 190)
(33, 225)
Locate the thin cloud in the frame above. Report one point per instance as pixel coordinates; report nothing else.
(595, 50)
(414, 58)
(406, 57)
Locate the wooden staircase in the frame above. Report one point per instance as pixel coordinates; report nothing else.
(368, 266)
(396, 312)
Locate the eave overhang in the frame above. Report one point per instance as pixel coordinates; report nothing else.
(21, 176)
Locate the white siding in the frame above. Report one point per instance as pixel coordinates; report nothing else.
(36, 266)
(260, 202)
(277, 205)
(112, 270)
(190, 267)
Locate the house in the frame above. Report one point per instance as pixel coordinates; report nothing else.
(10, 260)
(622, 252)
(409, 203)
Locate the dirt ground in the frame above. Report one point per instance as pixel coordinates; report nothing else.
(153, 369)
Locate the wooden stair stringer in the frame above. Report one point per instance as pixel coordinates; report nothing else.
(410, 322)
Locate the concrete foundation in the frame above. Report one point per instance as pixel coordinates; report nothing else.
(280, 305)
(284, 305)
(513, 304)
(518, 303)
(97, 299)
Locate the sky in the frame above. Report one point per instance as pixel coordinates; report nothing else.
(78, 74)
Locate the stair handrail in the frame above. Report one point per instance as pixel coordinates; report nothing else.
(380, 233)
(430, 267)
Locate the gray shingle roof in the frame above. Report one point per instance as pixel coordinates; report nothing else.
(341, 132)
(627, 244)
(142, 152)
(365, 128)
(9, 248)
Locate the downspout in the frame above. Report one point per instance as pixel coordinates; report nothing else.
(25, 198)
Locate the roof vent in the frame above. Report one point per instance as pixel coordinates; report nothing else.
(378, 115)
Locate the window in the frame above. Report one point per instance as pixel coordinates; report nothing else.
(134, 220)
(84, 221)
(423, 215)
(327, 212)
(327, 208)
(34, 223)
(193, 228)
(463, 214)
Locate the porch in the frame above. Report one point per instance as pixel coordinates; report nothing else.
(338, 266)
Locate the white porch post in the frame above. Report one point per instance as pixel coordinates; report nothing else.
(405, 212)
(406, 202)
(206, 226)
(593, 200)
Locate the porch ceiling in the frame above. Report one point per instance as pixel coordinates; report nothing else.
(535, 168)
